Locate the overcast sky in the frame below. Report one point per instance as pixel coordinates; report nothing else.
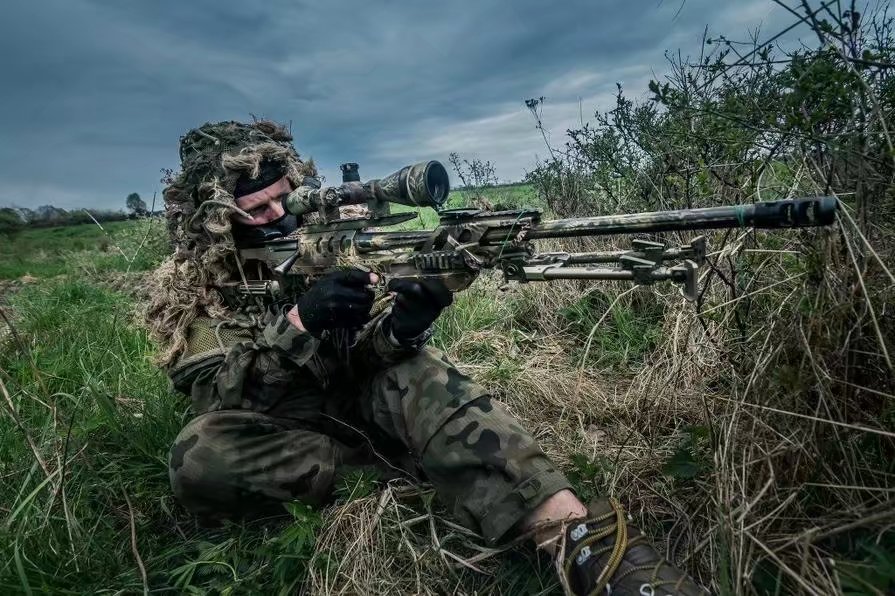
(96, 93)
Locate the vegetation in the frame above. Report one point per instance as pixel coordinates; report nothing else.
(88, 249)
(136, 205)
(14, 219)
(751, 435)
(778, 386)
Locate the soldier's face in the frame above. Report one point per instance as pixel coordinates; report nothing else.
(264, 205)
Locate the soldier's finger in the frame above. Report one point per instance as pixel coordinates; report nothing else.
(407, 287)
(352, 277)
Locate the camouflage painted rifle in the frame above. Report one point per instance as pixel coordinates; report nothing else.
(468, 241)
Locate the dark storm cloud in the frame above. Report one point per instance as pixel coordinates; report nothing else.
(97, 92)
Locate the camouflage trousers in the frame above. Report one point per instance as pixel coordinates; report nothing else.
(486, 468)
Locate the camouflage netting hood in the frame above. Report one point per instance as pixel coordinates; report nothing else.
(198, 205)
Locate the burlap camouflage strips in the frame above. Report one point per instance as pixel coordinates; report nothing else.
(199, 202)
(270, 432)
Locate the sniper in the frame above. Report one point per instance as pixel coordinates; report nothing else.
(291, 392)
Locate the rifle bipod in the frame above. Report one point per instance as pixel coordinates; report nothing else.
(644, 265)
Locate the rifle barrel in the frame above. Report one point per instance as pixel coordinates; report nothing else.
(790, 213)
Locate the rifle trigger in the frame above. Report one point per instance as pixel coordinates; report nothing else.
(284, 267)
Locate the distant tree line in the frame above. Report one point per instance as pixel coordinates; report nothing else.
(13, 219)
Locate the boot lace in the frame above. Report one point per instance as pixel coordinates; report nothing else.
(618, 526)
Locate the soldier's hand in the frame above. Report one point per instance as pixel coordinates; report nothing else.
(417, 304)
(339, 300)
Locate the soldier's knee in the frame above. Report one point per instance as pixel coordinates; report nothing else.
(417, 396)
(198, 470)
(235, 463)
(429, 374)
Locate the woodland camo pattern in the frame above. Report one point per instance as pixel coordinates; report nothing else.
(279, 419)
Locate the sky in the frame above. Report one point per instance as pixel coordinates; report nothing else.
(96, 93)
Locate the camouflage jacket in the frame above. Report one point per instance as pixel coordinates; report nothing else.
(243, 363)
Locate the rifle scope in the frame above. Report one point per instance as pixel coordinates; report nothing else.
(425, 184)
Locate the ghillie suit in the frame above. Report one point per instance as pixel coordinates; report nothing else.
(282, 415)
(198, 205)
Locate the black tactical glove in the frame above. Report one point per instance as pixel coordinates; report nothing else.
(339, 300)
(417, 304)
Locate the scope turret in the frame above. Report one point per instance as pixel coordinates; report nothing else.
(349, 172)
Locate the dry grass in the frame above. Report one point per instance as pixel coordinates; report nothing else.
(755, 453)
(752, 436)
(785, 467)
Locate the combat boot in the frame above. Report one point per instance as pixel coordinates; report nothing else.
(604, 554)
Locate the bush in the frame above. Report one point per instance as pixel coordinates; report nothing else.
(789, 351)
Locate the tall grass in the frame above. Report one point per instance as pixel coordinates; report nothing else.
(83, 456)
(100, 418)
(86, 504)
(751, 435)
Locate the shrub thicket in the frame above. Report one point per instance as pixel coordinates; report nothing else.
(785, 474)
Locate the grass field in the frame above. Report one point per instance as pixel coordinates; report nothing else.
(610, 380)
(47, 252)
(88, 420)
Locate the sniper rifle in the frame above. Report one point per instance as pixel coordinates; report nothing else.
(468, 241)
